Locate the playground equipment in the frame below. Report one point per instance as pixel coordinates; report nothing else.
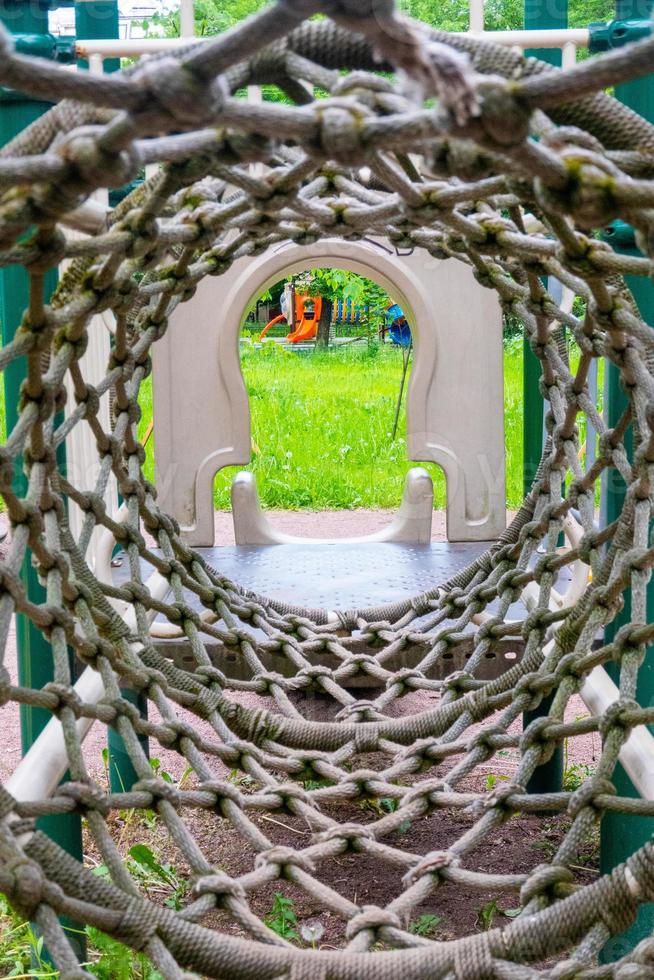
(307, 311)
(514, 180)
(306, 314)
(201, 410)
(397, 327)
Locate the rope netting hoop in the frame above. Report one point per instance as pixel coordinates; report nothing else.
(436, 142)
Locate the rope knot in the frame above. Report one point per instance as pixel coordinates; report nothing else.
(552, 880)
(499, 797)
(208, 674)
(349, 834)
(434, 863)
(422, 604)
(373, 918)
(286, 792)
(220, 884)
(66, 697)
(25, 892)
(87, 796)
(94, 164)
(533, 685)
(364, 780)
(587, 793)
(341, 122)
(267, 680)
(223, 792)
(358, 663)
(359, 712)
(174, 91)
(458, 682)
(489, 739)
(503, 120)
(282, 858)
(535, 737)
(588, 192)
(408, 678)
(158, 789)
(47, 251)
(616, 717)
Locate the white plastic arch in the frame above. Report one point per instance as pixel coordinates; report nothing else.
(455, 401)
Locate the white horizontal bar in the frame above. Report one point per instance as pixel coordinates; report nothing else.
(155, 45)
(536, 39)
(133, 48)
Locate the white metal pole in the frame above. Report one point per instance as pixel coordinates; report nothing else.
(186, 19)
(569, 55)
(477, 15)
(96, 63)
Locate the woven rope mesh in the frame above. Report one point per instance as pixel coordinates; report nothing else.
(475, 155)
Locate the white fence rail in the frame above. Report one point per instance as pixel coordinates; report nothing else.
(568, 40)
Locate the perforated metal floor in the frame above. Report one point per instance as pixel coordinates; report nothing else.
(337, 576)
(342, 576)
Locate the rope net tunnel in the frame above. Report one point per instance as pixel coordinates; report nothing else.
(441, 143)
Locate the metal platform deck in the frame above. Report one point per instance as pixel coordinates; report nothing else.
(337, 576)
(342, 576)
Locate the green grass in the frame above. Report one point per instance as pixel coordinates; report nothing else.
(322, 426)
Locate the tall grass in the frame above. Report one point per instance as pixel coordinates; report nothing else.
(322, 426)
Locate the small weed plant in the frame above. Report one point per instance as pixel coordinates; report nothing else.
(575, 775)
(487, 913)
(425, 925)
(156, 878)
(282, 918)
(22, 954)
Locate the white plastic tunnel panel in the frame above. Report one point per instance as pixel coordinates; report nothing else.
(455, 401)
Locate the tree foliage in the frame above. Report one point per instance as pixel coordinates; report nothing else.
(211, 16)
(504, 15)
(215, 16)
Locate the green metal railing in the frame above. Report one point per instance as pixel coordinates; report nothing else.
(622, 834)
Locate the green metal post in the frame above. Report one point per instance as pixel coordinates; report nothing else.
(622, 834)
(35, 664)
(539, 15)
(98, 19)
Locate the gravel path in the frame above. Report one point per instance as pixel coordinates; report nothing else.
(311, 524)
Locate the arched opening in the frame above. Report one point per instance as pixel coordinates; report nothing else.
(326, 356)
(454, 401)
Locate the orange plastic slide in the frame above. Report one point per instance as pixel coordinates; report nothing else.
(272, 323)
(307, 315)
